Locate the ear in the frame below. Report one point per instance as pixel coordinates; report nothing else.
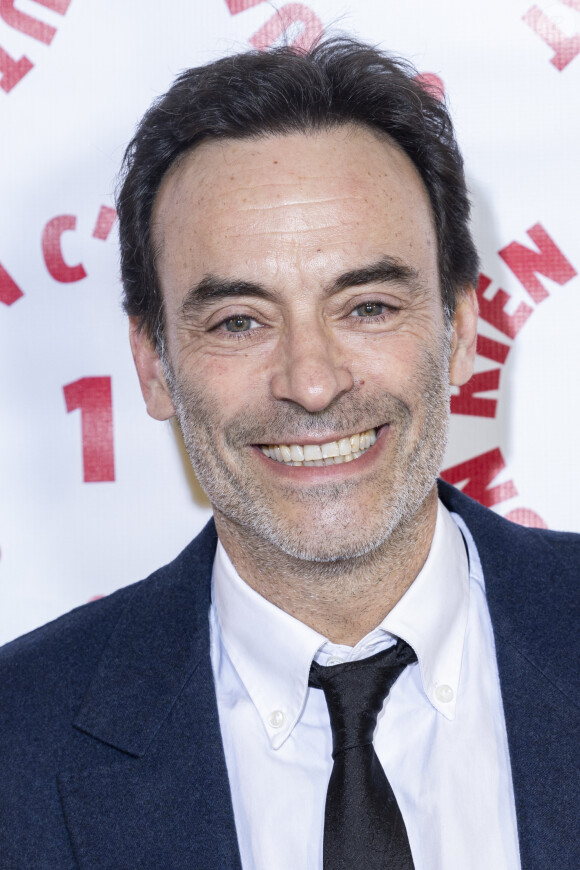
(150, 371)
(464, 339)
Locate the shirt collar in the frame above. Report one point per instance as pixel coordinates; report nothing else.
(272, 651)
(432, 614)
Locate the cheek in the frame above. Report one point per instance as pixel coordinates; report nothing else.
(394, 365)
(230, 384)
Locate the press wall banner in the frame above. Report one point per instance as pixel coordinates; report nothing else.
(94, 493)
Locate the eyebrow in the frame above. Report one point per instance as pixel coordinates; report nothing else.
(211, 288)
(387, 270)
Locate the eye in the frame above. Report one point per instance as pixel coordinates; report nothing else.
(239, 323)
(370, 309)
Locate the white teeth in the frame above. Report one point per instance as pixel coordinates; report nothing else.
(344, 446)
(297, 453)
(331, 453)
(330, 450)
(312, 451)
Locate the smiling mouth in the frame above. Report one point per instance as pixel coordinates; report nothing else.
(332, 453)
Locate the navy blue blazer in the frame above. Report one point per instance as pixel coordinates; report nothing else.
(110, 748)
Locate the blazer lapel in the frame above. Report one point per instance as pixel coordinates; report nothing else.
(146, 784)
(530, 589)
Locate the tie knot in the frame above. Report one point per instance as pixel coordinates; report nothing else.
(355, 693)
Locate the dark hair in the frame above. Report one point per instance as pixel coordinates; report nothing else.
(287, 90)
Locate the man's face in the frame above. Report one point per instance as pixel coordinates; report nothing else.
(303, 310)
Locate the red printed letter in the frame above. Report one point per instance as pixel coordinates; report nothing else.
(93, 397)
(26, 23)
(104, 223)
(467, 402)
(431, 83)
(32, 26)
(492, 349)
(478, 473)
(59, 6)
(549, 261)
(236, 6)
(10, 292)
(526, 517)
(52, 251)
(493, 310)
(565, 48)
(12, 70)
(278, 24)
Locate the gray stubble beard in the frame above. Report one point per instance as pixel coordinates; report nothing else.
(246, 505)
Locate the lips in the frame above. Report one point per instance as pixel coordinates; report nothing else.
(331, 453)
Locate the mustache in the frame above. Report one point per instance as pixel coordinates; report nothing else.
(291, 424)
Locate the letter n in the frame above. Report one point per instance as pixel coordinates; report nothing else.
(548, 260)
(476, 474)
(468, 402)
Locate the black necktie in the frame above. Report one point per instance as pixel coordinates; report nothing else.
(363, 825)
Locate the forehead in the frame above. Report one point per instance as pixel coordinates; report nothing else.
(298, 201)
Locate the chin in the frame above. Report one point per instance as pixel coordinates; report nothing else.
(335, 541)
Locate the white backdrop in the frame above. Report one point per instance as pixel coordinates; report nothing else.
(94, 494)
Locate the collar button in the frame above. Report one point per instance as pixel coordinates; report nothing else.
(276, 718)
(444, 693)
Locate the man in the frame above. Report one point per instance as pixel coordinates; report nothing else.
(299, 275)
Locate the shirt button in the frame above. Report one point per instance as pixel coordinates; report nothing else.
(334, 660)
(276, 719)
(444, 693)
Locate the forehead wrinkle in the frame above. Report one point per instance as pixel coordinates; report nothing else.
(293, 182)
(285, 237)
(300, 206)
(301, 203)
(289, 189)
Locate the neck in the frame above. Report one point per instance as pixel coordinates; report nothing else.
(341, 600)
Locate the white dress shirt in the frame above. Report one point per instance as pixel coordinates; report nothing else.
(440, 737)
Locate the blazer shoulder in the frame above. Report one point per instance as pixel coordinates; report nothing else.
(493, 526)
(46, 678)
(55, 662)
(88, 623)
(566, 543)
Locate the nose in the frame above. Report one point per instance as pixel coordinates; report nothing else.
(310, 370)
